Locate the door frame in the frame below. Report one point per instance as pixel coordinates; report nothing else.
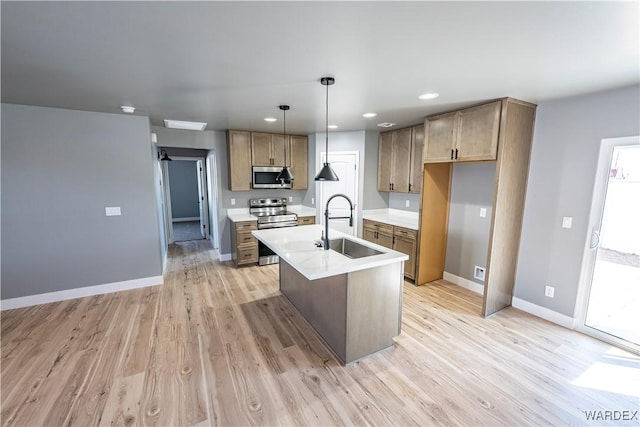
(202, 176)
(598, 199)
(212, 186)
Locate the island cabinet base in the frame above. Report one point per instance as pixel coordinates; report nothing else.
(356, 313)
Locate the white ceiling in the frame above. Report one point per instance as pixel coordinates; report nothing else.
(231, 64)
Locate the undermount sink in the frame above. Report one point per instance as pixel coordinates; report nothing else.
(351, 249)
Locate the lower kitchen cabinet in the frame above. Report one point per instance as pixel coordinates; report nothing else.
(244, 247)
(397, 238)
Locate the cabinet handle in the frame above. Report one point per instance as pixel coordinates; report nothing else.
(394, 240)
(389, 186)
(452, 154)
(456, 153)
(409, 188)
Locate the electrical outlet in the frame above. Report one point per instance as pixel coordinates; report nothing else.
(483, 212)
(566, 222)
(478, 273)
(233, 202)
(313, 200)
(112, 211)
(290, 199)
(407, 203)
(549, 291)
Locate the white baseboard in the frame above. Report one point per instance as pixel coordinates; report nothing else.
(545, 313)
(186, 219)
(11, 303)
(464, 283)
(225, 257)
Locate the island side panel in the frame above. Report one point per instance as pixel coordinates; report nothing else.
(374, 309)
(321, 302)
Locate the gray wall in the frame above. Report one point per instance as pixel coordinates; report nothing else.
(183, 184)
(566, 144)
(373, 199)
(60, 169)
(399, 201)
(468, 234)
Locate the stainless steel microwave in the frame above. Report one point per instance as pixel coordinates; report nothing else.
(265, 177)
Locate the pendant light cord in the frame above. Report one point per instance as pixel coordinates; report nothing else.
(284, 138)
(326, 127)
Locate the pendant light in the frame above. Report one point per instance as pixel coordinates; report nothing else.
(285, 174)
(326, 173)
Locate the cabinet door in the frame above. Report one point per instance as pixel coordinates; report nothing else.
(239, 160)
(401, 161)
(369, 234)
(440, 138)
(278, 144)
(406, 246)
(478, 134)
(299, 161)
(385, 239)
(417, 142)
(385, 160)
(261, 149)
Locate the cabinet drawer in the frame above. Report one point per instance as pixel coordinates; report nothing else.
(306, 220)
(246, 225)
(245, 238)
(378, 226)
(247, 255)
(405, 232)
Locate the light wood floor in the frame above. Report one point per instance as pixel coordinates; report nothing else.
(219, 345)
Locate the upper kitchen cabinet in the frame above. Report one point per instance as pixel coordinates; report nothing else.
(417, 144)
(467, 135)
(267, 149)
(398, 168)
(239, 149)
(298, 159)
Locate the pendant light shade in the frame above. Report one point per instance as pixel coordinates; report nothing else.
(326, 173)
(285, 175)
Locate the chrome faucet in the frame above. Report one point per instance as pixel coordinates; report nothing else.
(325, 239)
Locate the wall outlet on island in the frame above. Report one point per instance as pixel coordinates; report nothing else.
(549, 291)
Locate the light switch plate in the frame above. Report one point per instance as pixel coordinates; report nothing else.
(112, 211)
(566, 222)
(483, 212)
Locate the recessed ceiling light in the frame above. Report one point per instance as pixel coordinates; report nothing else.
(178, 124)
(386, 125)
(128, 109)
(333, 126)
(369, 115)
(270, 119)
(429, 95)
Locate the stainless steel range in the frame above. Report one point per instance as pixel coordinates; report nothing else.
(271, 213)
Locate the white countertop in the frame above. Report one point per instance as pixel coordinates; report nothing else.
(296, 245)
(396, 217)
(302, 210)
(240, 214)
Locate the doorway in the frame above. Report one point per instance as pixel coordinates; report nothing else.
(345, 165)
(611, 303)
(186, 194)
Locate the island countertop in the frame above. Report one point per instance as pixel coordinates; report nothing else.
(297, 246)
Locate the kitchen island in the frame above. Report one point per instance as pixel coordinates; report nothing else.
(350, 294)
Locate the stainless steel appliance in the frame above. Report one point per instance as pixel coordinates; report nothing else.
(271, 213)
(265, 177)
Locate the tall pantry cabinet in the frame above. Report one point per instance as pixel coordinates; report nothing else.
(500, 131)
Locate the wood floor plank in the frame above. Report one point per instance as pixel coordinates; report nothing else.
(217, 345)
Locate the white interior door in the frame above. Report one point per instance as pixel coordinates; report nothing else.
(202, 200)
(345, 165)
